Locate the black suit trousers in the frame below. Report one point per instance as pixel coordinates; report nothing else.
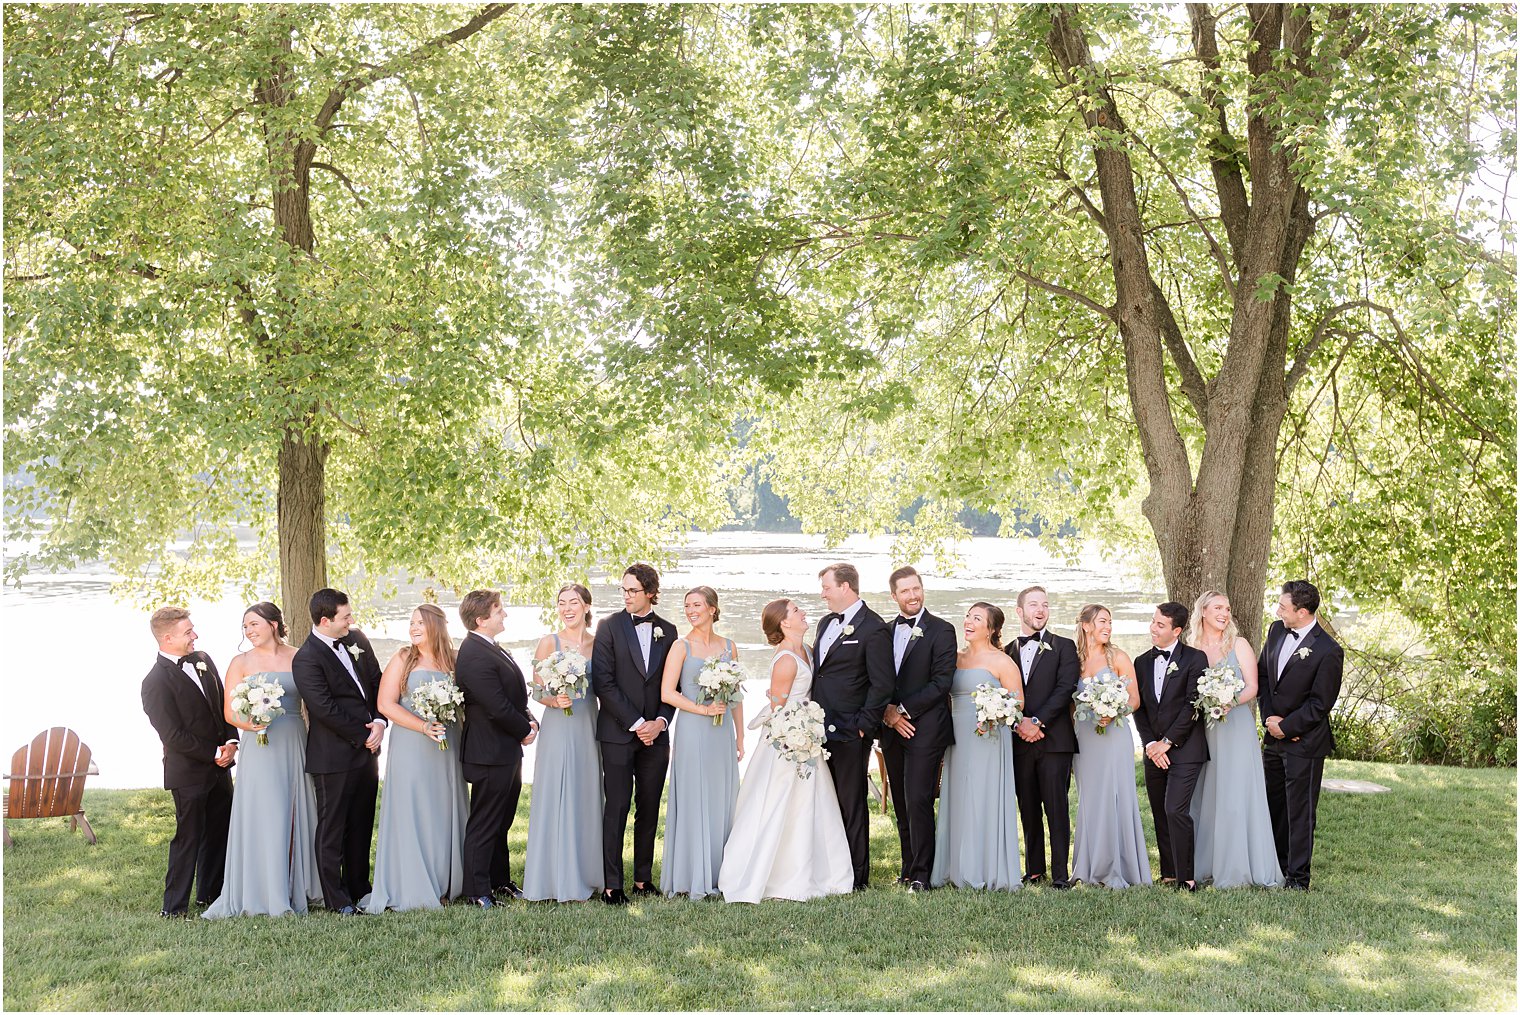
(345, 826)
(198, 850)
(1042, 780)
(1293, 783)
(631, 773)
(913, 774)
(1170, 792)
(494, 793)
(848, 763)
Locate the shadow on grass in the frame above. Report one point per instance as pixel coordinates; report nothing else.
(1390, 925)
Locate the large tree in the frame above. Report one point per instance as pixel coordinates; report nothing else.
(375, 282)
(1092, 245)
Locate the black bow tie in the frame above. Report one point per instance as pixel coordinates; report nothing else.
(1025, 639)
(1295, 635)
(647, 618)
(1164, 653)
(832, 616)
(910, 621)
(187, 659)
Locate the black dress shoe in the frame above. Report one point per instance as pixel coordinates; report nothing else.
(615, 897)
(1061, 886)
(1297, 886)
(1187, 886)
(915, 887)
(508, 890)
(1167, 882)
(174, 914)
(644, 890)
(481, 901)
(901, 879)
(348, 911)
(1032, 879)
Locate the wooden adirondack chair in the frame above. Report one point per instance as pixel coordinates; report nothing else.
(46, 780)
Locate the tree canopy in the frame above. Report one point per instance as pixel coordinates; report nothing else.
(491, 294)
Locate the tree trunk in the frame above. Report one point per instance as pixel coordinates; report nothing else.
(302, 520)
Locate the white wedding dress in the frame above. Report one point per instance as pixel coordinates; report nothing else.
(788, 839)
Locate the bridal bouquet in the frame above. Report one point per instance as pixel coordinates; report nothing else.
(995, 706)
(562, 672)
(797, 732)
(720, 680)
(258, 702)
(437, 701)
(1104, 697)
(1217, 690)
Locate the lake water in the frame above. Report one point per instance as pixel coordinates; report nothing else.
(76, 657)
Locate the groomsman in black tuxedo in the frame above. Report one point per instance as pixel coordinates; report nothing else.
(497, 725)
(627, 661)
(852, 681)
(1300, 676)
(182, 695)
(339, 680)
(917, 721)
(1175, 747)
(1045, 740)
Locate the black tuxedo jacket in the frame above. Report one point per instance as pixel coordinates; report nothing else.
(496, 716)
(1305, 692)
(922, 684)
(1048, 687)
(854, 682)
(191, 726)
(1172, 717)
(337, 710)
(626, 689)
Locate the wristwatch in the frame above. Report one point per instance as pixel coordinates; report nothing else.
(1167, 741)
(1036, 720)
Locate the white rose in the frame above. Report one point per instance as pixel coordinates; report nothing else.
(849, 629)
(354, 650)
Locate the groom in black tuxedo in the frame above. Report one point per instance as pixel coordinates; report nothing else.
(852, 681)
(497, 725)
(339, 680)
(1300, 678)
(916, 722)
(627, 661)
(183, 697)
(1045, 740)
(1175, 746)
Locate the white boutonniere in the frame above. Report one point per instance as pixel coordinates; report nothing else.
(1303, 653)
(657, 634)
(1172, 668)
(1044, 646)
(917, 632)
(201, 666)
(849, 629)
(355, 651)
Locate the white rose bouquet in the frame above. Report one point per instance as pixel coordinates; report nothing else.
(258, 702)
(1104, 697)
(437, 701)
(995, 706)
(562, 672)
(719, 680)
(1217, 690)
(797, 732)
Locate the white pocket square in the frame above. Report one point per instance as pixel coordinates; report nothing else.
(854, 642)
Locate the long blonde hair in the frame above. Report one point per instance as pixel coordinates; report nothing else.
(436, 640)
(1087, 615)
(1195, 623)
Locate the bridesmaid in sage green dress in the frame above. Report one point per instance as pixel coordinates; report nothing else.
(564, 861)
(423, 803)
(1234, 844)
(704, 763)
(976, 841)
(271, 852)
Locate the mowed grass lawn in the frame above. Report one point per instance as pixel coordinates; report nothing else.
(1413, 908)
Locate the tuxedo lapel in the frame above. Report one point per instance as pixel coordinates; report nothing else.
(908, 648)
(1034, 664)
(1295, 657)
(631, 638)
(657, 648)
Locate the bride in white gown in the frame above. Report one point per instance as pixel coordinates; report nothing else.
(788, 838)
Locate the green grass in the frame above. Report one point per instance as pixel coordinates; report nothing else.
(1413, 908)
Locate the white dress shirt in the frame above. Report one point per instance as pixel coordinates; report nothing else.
(831, 633)
(901, 635)
(645, 634)
(1292, 641)
(346, 659)
(1028, 651)
(1161, 665)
